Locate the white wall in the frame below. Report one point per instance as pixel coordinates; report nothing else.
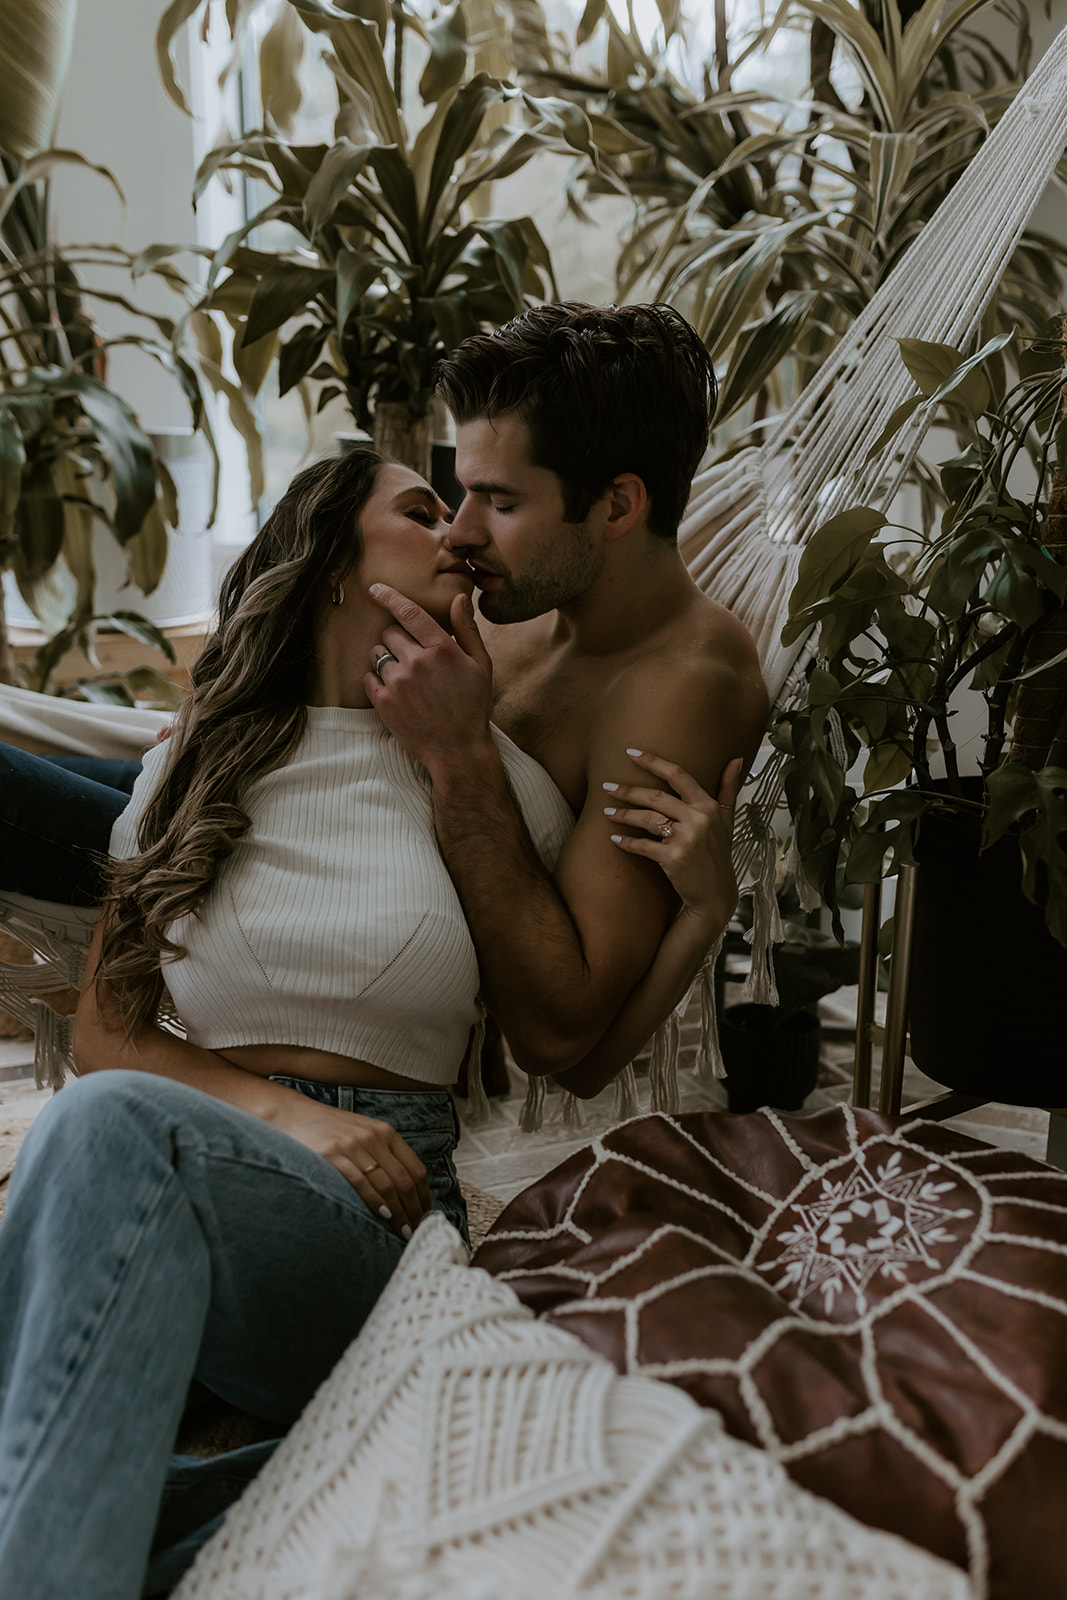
(116, 113)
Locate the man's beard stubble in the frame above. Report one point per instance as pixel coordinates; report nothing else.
(556, 579)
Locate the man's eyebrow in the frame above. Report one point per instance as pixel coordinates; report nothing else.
(486, 486)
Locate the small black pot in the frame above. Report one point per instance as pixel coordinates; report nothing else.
(770, 1061)
(988, 981)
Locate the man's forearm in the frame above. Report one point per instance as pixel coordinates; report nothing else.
(535, 975)
(682, 953)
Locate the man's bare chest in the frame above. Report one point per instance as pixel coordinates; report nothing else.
(550, 713)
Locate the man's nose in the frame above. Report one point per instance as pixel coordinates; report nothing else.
(465, 530)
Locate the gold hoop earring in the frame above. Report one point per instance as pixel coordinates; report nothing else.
(337, 595)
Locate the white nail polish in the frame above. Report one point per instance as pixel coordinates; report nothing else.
(633, 752)
(609, 811)
(616, 838)
(384, 1211)
(611, 787)
(405, 1233)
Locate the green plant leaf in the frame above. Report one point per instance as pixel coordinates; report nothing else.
(142, 629)
(759, 349)
(39, 525)
(171, 23)
(36, 37)
(298, 356)
(449, 135)
(967, 383)
(280, 55)
(146, 552)
(447, 40)
(1036, 802)
(39, 168)
(887, 765)
(253, 361)
(105, 691)
(284, 291)
(342, 163)
(12, 460)
(128, 450)
(831, 555)
(151, 683)
(930, 364)
(1013, 591)
(358, 49)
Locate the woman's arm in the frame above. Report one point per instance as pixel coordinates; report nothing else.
(697, 859)
(384, 1171)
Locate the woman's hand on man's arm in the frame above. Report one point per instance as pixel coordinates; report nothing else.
(370, 1155)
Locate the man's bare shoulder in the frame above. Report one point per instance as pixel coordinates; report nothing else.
(707, 648)
(700, 680)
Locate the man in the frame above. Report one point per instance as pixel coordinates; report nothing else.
(579, 430)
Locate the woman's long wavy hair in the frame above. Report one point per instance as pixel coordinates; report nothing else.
(244, 717)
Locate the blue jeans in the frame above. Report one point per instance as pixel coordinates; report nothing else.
(56, 814)
(155, 1235)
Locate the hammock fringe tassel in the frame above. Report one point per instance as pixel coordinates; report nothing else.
(663, 1067)
(624, 1105)
(478, 1111)
(709, 1064)
(533, 1107)
(766, 929)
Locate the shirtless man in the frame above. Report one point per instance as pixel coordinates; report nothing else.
(578, 433)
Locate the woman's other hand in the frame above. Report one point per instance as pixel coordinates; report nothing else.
(689, 834)
(383, 1170)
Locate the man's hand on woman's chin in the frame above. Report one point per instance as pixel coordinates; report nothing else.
(436, 697)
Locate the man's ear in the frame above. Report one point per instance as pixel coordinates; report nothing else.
(625, 501)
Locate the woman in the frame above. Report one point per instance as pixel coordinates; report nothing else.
(231, 1206)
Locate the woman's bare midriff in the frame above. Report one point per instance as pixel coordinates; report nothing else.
(321, 1066)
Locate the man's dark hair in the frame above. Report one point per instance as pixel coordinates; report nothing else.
(603, 390)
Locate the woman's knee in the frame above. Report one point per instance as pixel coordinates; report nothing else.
(93, 1115)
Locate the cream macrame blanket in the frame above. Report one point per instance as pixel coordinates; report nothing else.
(461, 1450)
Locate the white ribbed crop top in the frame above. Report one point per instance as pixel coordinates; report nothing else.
(335, 924)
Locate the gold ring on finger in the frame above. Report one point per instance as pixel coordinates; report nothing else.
(372, 1168)
(665, 828)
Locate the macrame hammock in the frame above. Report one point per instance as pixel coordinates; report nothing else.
(742, 537)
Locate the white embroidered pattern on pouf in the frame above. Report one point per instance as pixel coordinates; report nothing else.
(887, 1221)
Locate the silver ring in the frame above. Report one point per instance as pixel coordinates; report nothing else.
(379, 662)
(665, 828)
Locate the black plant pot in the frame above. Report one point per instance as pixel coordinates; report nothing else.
(988, 1003)
(770, 1061)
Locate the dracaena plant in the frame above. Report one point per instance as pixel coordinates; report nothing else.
(388, 257)
(73, 456)
(911, 623)
(771, 221)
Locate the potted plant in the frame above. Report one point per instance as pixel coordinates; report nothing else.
(771, 1052)
(391, 258)
(73, 456)
(770, 219)
(915, 629)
